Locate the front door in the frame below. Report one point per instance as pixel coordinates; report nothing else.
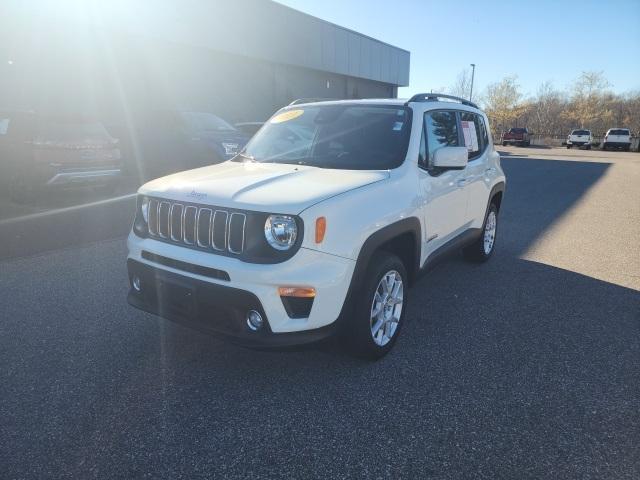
(443, 190)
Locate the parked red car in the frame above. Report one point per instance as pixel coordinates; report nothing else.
(516, 136)
(39, 152)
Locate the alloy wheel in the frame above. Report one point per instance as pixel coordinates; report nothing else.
(490, 232)
(386, 308)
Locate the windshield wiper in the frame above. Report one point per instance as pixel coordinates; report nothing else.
(250, 158)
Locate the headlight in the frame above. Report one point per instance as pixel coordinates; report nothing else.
(144, 208)
(141, 222)
(281, 231)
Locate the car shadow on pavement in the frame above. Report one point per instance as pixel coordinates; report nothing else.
(494, 362)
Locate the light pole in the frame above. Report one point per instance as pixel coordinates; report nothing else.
(473, 74)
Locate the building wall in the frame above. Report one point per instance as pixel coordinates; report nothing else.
(119, 77)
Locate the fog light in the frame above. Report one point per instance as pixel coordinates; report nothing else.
(137, 286)
(254, 320)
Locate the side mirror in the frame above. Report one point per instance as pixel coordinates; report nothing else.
(451, 157)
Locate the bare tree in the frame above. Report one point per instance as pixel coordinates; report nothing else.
(462, 85)
(503, 102)
(546, 109)
(588, 100)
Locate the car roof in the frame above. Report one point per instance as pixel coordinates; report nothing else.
(355, 101)
(400, 102)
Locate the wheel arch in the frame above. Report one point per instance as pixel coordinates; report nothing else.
(397, 238)
(496, 195)
(402, 238)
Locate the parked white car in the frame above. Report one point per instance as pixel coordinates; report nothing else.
(580, 138)
(617, 138)
(321, 224)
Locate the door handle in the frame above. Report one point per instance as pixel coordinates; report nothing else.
(462, 182)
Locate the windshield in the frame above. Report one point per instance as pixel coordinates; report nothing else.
(517, 130)
(205, 122)
(619, 131)
(349, 137)
(581, 132)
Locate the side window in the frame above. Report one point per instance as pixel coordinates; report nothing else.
(472, 129)
(422, 156)
(484, 134)
(441, 129)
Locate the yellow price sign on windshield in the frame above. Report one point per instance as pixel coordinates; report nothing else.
(286, 116)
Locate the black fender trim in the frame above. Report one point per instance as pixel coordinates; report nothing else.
(497, 188)
(374, 242)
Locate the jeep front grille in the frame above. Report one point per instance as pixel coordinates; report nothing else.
(206, 228)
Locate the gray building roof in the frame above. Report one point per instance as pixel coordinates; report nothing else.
(273, 32)
(260, 29)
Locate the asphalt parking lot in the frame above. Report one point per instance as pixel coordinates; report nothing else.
(525, 367)
(60, 199)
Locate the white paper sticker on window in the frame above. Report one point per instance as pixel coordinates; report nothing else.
(470, 136)
(4, 126)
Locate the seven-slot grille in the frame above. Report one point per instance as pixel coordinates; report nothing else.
(194, 226)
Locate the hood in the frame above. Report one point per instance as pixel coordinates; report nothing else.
(267, 187)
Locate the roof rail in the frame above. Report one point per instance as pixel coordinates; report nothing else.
(298, 101)
(433, 97)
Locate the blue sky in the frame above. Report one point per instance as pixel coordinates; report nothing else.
(537, 41)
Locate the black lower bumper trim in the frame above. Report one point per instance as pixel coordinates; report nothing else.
(211, 308)
(617, 144)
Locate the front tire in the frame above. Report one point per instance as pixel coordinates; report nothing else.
(482, 249)
(380, 307)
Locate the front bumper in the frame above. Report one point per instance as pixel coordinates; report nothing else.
(84, 177)
(213, 293)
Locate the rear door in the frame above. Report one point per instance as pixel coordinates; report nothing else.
(442, 189)
(477, 173)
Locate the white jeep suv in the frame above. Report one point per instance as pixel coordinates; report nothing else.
(321, 223)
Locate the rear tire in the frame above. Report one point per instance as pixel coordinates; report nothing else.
(504, 144)
(482, 249)
(568, 146)
(380, 307)
(588, 147)
(604, 146)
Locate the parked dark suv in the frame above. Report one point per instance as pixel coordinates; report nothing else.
(172, 141)
(39, 152)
